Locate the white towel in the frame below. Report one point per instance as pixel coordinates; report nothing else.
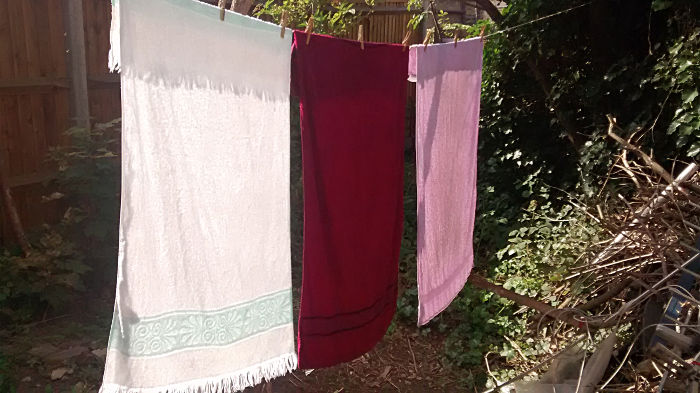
(204, 282)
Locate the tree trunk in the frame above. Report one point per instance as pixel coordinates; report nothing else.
(241, 6)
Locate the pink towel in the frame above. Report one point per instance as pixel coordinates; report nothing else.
(448, 86)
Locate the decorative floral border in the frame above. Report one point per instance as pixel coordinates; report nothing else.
(159, 335)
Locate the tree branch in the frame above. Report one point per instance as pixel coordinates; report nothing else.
(491, 10)
(545, 309)
(438, 32)
(628, 146)
(11, 209)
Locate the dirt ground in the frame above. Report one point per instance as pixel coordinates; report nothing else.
(66, 354)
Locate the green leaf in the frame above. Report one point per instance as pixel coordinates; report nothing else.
(694, 150)
(686, 76)
(676, 48)
(658, 5)
(684, 65)
(673, 126)
(689, 96)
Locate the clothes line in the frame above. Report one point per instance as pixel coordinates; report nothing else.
(507, 29)
(360, 40)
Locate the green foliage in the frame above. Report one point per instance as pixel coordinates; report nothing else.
(541, 251)
(7, 381)
(83, 241)
(532, 257)
(537, 256)
(678, 74)
(330, 17)
(51, 275)
(641, 68)
(447, 26)
(415, 6)
(407, 304)
(476, 315)
(89, 178)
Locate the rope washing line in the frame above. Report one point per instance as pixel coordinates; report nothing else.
(507, 29)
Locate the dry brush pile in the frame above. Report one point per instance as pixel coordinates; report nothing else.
(638, 288)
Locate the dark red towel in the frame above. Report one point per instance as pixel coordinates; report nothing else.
(352, 125)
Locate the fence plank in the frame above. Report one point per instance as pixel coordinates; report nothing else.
(41, 24)
(91, 39)
(26, 134)
(40, 146)
(49, 130)
(31, 39)
(6, 143)
(10, 135)
(19, 51)
(6, 53)
(56, 37)
(103, 17)
(29, 107)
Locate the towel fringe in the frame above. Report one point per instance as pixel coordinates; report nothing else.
(229, 383)
(114, 41)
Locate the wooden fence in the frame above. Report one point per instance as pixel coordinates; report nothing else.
(48, 50)
(387, 24)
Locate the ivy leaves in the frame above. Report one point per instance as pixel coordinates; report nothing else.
(678, 74)
(659, 5)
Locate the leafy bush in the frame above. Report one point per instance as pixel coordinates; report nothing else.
(52, 275)
(678, 75)
(7, 381)
(549, 242)
(538, 254)
(89, 171)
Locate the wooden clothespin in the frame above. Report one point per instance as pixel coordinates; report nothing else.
(283, 22)
(456, 37)
(360, 37)
(426, 41)
(406, 40)
(233, 6)
(309, 29)
(481, 35)
(222, 9)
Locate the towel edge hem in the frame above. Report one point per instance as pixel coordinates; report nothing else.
(226, 383)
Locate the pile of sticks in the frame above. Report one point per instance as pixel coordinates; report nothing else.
(626, 284)
(652, 238)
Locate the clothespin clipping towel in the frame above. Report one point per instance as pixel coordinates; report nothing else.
(309, 29)
(406, 40)
(456, 37)
(283, 22)
(222, 9)
(360, 37)
(481, 35)
(426, 41)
